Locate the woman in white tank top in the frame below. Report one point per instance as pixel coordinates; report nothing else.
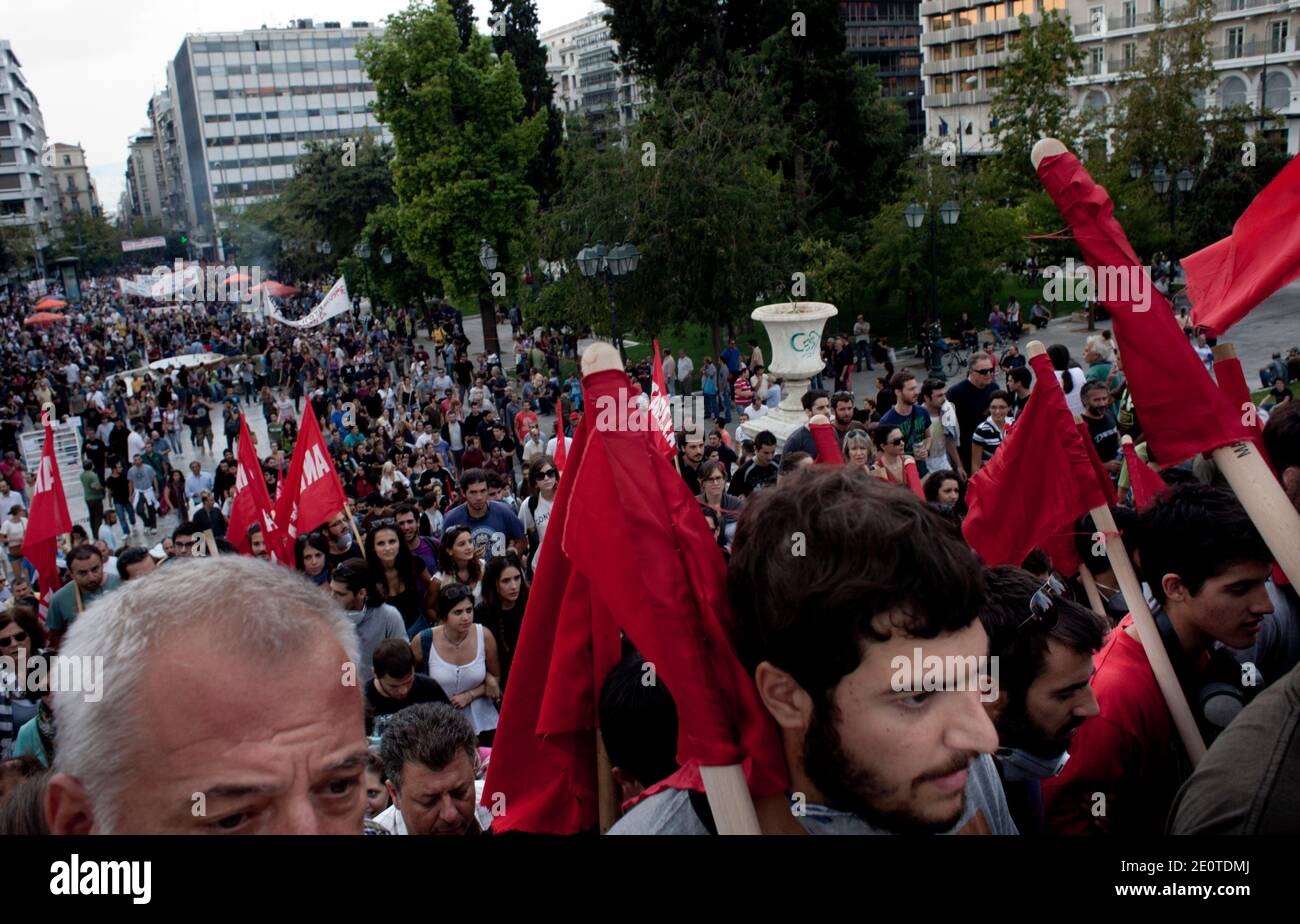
(462, 657)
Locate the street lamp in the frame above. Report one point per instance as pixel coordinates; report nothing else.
(1181, 182)
(324, 247)
(915, 215)
(621, 260)
(386, 255)
(487, 258)
(362, 252)
(1134, 168)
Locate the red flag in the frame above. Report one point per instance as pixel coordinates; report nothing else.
(48, 520)
(1181, 412)
(1147, 485)
(628, 550)
(561, 454)
(1043, 457)
(661, 412)
(252, 503)
(1103, 477)
(1232, 382)
(828, 447)
(1230, 277)
(312, 492)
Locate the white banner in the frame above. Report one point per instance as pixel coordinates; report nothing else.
(175, 285)
(36, 288)
(143, 243)
(141, 287)
(335, 303)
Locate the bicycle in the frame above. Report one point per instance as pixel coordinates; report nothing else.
(943, 356)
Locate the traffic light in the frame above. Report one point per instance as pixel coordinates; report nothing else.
(185, 237)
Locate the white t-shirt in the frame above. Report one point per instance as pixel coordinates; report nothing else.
(13, 532)
(1074, 397)
(551, 446)
(536, 521)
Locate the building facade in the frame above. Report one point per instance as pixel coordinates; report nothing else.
(245, 105)
(144, 180)
(888, 36)
(72, 181)
(1256, 62)
(27, 195)
(965, 43)
(176, 202)
(588, 82)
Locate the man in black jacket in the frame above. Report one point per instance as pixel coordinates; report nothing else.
(209, 516)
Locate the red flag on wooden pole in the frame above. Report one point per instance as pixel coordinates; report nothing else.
(1044, 457)
(252, 503)
(1146, 484)
(626, 549)
(48, 520)
(661, 413)
(313, 492)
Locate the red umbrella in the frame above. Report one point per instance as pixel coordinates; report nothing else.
(238, 278)
(43, 317)
(50, 302)
(275, 289)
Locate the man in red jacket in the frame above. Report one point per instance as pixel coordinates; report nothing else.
(1206, 566)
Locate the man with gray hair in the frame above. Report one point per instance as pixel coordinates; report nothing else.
(230, 704)
(430, 756)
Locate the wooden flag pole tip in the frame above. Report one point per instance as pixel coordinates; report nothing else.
(600, 357)
(1034, 348)
(1047, 147)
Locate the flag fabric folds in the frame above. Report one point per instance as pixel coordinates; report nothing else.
(252, 503)
(1231, 276)
(626, 549)
(1146, 483)
(312, 491)
(661, 413)
(1180, 410)
(1232, 382)
(48, 519)
(1042, 457)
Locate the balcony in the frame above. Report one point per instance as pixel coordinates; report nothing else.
(1251, 49)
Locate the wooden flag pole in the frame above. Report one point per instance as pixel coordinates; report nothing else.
(1259, 492)
(1090, 588)
(210, 542)
(1149, 635)
(356, 534)
(606, 794)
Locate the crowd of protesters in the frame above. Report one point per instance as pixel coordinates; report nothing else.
(451, 476)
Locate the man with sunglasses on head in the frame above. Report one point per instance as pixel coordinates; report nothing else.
(971, 397)
(1044, 643)
(1206, 566)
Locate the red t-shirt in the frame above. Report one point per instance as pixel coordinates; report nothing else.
(1129, 753)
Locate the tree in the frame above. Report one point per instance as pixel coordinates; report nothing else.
(514, 31)
(463, 12)
(90, 238)
(462, 149)
(1033, 100)
(1161, 110)
(697, 192)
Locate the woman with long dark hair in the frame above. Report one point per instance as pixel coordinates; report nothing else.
(311, 557)
(462, 656)
(458, 561)
(504, 599)
(401, 579)
(1069, 375)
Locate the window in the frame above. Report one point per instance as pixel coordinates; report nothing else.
(1129, 14)
(1277, 91)
(994, 43)
(967, 49)
(1236, 44)
(965, 17)
(941, 83)
(1232, 92)
(1277, 35)
(1095, 61)
(1130, 55)
(1095, 100)
(1097, 19)
(940, 52)
(1236, 4)
(992, 79)
(67, 161)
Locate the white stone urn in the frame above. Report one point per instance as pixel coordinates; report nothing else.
(795, 331)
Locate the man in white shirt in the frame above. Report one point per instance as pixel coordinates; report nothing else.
(670, 372)
(943, 455)
(109, 532)
(431, 800)
(684, 369)
(9, 498)
(134, 443)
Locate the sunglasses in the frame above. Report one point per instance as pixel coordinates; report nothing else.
(549, 473)
(456, 593)
(15, 639)
(900, 441)
(985, 371)
(1042, 605)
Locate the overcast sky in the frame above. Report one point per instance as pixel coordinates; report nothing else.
(93, 65)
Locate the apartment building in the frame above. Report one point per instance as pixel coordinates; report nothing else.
(580, 62)
(887, 35)
(27, 195)
(72, 180)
